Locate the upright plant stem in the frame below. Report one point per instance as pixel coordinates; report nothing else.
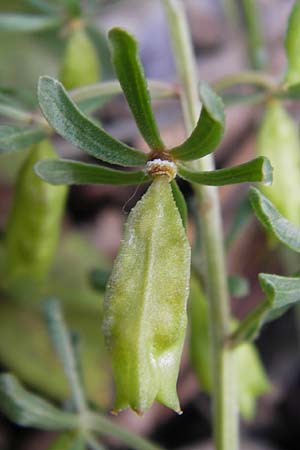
(225, 416)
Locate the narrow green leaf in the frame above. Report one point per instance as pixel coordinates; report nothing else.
(65, 117)
(131, 75)
(15, 113)
(27, 23)
(19, 137)
(237, 98)
(287, 233)
(180, 202)
(254, 36)
(74, 172)
(292, 43)
(258, 169)
(281, 293)
(209, 129)
(29, 410)
(63, 345)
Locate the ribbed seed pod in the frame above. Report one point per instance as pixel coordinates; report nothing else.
(145, 303)
(35, 218)
(250, 375)
(292, 44)
(81, 64)
(278, 139)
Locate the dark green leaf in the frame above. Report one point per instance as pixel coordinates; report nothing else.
(27, 22)
(209, 129)
(65, 117)
(19, 137)
(180, 202)
(65, 171)
(281, 293)
(29, 410)
(130, 73)
(258, 169)
(272, 220)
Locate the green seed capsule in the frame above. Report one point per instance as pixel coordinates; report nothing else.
(81, 64)
(250, 375)
(278, 140)
(145, 303)
(292, 45)
(34, 222)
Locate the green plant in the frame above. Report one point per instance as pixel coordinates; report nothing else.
(145, 307)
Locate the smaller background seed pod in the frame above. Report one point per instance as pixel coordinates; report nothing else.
(278, 139)
(81, 64)
(35, 218)
(250, 375)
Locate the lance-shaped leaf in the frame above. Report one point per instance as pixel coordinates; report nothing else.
(19, 137)
(131, 75)
(27, 22)
(209, 129)
(13, 112)
(65, 117)
(29, 410)
(74, 172)
(281, 294)
(258, 169)
(287, 233)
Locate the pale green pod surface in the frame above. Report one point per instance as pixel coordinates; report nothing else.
(34, 222)
(81, 64)
(250, 375)
(292, 45)
(278, 139)
(145, 303)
